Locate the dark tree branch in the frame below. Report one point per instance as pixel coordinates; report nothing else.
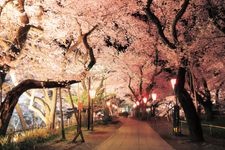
(90, 50)
(177, 18)
(12, 97)
(200, 99)
(213, 14)
(83, 38)
(141, 80)
(132, 91)
(206, 89)
(156, 72)
(151, 16)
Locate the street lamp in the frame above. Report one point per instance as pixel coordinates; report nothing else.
(138, 103)
(173, 82)
(114, 106)
(92, 96)
(108, 103)
(154, 95)
(145, 100)
(176, 113)
(144, 115)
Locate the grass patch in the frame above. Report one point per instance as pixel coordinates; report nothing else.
(29, 139)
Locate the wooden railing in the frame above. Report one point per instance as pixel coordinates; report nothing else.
(210, 126)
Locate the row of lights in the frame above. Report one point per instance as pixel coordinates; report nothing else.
(154, 95)
(108, 103)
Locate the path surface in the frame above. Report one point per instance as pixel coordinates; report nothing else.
(134, 135)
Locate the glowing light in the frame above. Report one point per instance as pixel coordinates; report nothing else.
(15, 139)
(134, 105)
(154, 95)
(92, 93)
(148, 109)
(137, 103)
(144, 99)
(108, 103)
(114, 106)
(173, 82)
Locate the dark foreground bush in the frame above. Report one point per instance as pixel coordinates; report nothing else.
(124, 114)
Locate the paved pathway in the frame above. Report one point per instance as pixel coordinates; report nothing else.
(134, 135)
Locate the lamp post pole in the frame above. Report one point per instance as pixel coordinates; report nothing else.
(176, 113)
(92, 95)
(154, 96)
(89, 105)
(138, 110)
(144, 108)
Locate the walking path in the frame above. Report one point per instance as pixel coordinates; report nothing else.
(134, 135)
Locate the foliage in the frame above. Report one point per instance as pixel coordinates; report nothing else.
(26, 140)
(74, 99)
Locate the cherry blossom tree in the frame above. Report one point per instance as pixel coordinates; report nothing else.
(53, 43)
(181, 29)
(16, 55)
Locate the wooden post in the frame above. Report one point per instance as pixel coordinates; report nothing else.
(92, 115)
(78, 119)
(89, 107)
(54, 98)
(61, 112)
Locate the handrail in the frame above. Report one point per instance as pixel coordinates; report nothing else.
(208, 125)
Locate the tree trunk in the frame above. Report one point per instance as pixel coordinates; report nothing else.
(186, 102)
(207, 105)
(7, 107)
(20, 114)
(208, 111)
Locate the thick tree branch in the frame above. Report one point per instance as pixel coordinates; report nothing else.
(141, 80)
(177, 18)
(156, 72)
(132, 91)
(206, 89)
(90, 50)
(83, 38)
(200, 99)
(151, 16)
(12, 97)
